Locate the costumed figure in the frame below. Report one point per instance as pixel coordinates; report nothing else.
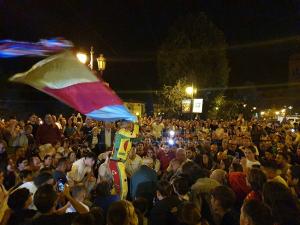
(122, 146)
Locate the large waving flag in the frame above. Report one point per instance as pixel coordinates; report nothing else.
(71, 82)
(45, 47)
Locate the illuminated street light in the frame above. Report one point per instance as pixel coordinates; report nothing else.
(277, 113)
(82, 57)
(101, 62)
(245, 105)
(262, 113)
(217, 108)
(190, 90)
(254, 108)
(290, 107)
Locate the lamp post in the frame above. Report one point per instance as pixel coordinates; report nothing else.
(101, 61)
(101, 64)
(190, 90)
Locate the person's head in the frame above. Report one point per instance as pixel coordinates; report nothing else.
(19, 199)
(28, 129)
(33, 119)
(293, 175)
(232, 145)
(250, 153)
(236, 167)
(57, 157)
(141, 204)
(140, 149)
(122, 213)
(72, 156)
(255, 213)
(283, 204)
(45, 199)
(189, 214)
(62, 165)
(48, 119)
(98, 214)
(103, 188)
(214, 148)
(220, 176)
(48, 161)
(269, 167)
(190, 154)
(22, 164)
(26, 175)
(256, 178)
(180, 155)
(147, 162)
(246, 141)
(132, 153)
(225, 163)
(269, 154)
(43, 178)
(3, 146)
(223, 199)
(164, 189)
(35, 162)
(281, 158)
(193, 171)
(151, 153)
(181, 186)
(90, 159)
(79, 192)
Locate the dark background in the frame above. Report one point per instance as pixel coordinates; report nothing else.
(261, 36)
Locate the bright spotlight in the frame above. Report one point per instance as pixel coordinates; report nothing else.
(81, 57)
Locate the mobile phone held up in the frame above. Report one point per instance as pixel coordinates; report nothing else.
(60, 185)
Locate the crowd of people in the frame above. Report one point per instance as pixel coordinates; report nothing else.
(196, 172)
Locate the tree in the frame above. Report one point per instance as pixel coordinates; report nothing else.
(196, 49)
(172, 96)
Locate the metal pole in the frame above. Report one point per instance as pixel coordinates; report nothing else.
(92, 58)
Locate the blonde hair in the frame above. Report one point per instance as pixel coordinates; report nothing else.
(122, 211)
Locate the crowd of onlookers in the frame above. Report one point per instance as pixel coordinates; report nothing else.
(55, 171)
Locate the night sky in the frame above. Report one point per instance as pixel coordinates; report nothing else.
(130, 32)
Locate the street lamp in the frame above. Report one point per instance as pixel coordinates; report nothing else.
(254, 108)
(290, 107)
(82, 57)
(190, 91)
(262, 113)
(101, 63)
(277, 113)
(245, 105)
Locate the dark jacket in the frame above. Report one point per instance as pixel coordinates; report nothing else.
(162, 214)
(143, 183)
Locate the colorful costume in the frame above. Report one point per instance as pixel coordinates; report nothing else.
(122, 147)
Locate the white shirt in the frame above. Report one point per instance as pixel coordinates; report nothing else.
(32, 189)
(71, 209)
(30, 186)
(78, 171)
(250, 164)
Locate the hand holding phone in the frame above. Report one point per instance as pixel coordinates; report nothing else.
(60, 185)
